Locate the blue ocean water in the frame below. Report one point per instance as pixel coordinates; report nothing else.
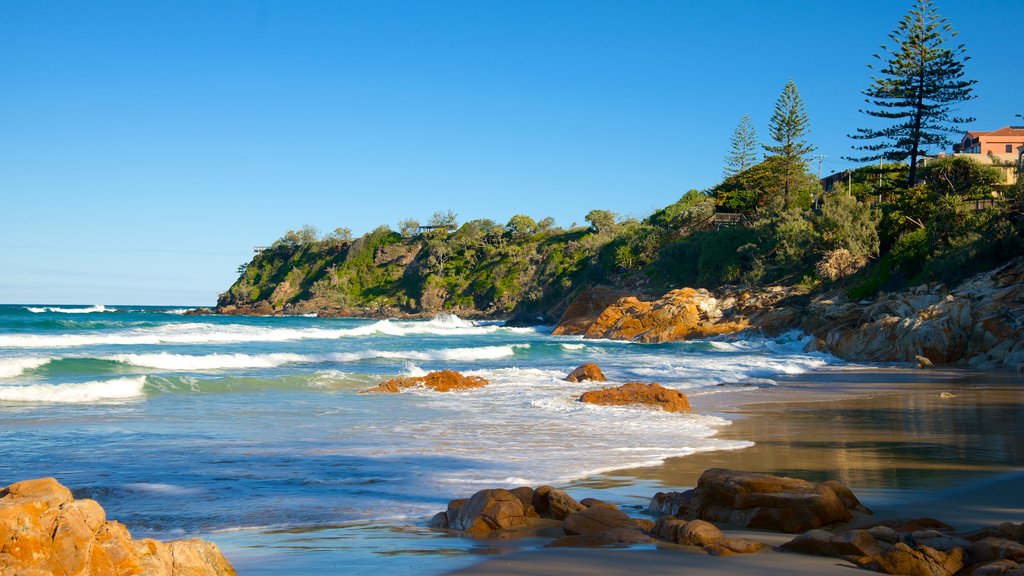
(206, 424)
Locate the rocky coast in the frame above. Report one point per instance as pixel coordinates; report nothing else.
(979, 322)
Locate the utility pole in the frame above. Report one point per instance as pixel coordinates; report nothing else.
(816, 196)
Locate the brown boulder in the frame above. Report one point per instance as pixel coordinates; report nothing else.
(600, 518)
(699, 533)
(588, 371)
(488, 511)
(756, 500)
(554, 503)
(632, 393)
(44, 530)
(441, 381)
(909, 555)
(672, 503)
(919, 561)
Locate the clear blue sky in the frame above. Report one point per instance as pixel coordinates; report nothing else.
(146, 147)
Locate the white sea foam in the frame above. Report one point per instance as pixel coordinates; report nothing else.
(208, 333)
(172, 362)
(114, 389)
(574, 346)
(162, 489)
(88, 310)
(10, 367)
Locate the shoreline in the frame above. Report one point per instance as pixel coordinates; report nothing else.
(889, 433)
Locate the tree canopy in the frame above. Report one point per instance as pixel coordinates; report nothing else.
(920, 82)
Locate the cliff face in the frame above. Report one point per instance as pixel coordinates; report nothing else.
(472, 272)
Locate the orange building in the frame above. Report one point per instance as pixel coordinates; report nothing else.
(1006, 140)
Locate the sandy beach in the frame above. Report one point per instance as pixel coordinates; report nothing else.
(946, 443)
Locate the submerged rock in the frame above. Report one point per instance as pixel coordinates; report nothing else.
(638, 393)
(442, 381)
(44, 530)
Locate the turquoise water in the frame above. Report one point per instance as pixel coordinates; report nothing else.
(243, 429)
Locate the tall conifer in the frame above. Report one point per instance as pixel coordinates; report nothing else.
(919, 83)
(742, 148)
(788, 127)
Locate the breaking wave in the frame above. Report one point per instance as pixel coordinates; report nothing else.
(208, 333)
(88, 310)
(10, 367)
(172, 362)
(114, 389)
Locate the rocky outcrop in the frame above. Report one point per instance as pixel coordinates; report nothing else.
(981, 321)
(763, 501)
(441, 381)
(584, 372)
(682, 314)
(584, 308)
(638, 393)
(993, 551)
(45, 531)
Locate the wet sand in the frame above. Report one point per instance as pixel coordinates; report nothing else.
(942, 443)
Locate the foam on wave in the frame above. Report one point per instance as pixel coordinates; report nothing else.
(85, 392)
(87, 310)
(208, 333)
(10, 367)
(171, 362)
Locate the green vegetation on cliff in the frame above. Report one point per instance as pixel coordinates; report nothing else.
(885, 227)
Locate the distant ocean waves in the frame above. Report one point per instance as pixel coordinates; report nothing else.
(218, 423)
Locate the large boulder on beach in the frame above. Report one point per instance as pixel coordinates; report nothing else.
(638, 393)
(553, 503)
(584, 372)
(487, 511)
(441, 381)
(597, 518)
(44, 531)
(764, 501)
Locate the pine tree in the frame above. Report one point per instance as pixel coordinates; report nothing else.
(788, 127)
(916, 90)
(742, 148)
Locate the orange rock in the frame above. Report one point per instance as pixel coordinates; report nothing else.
(43, 530)
(584, 308)
(588, 371)
(441, 381)
(652, 394)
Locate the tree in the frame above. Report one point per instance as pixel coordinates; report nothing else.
(447, 220)
(960, 176)
(789, 127)
(409, 227)
(845, 223)
(520, 227)
(916, 90)
(340, 235)
(601, 221)
(742, 147)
